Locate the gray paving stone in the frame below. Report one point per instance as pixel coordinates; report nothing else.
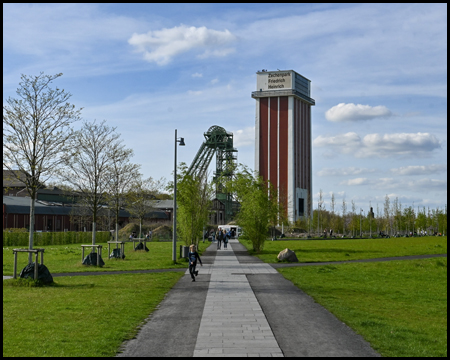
(232, 316)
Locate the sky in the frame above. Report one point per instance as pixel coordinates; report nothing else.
(378, 77)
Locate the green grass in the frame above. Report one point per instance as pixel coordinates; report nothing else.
(67, 258)
(354, 249)
(79, 316)
(400, 307)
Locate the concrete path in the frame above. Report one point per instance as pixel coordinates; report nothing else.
(240, 306)
(233, 323)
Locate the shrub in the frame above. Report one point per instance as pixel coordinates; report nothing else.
(20, 239)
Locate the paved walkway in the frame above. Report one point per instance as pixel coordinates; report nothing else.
(240, 306)
(233, 322)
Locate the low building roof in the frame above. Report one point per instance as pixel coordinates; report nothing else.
(21, 205)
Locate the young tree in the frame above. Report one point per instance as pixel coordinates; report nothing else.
(194, 197)
(344, 213)
(354, 219)
(89, 170)
(37, 130)
(123, 172)
(142, 191)
(387, 216)
(258, 201)
(320, 204)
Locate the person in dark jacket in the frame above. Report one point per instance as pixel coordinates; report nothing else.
(193, 256)
(219, 238)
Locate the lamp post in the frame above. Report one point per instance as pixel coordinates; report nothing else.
(174, 235)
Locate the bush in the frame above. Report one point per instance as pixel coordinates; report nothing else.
(20, 239)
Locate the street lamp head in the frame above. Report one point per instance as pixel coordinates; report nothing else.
(181, 142)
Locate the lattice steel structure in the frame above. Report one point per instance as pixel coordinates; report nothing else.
(219, 141)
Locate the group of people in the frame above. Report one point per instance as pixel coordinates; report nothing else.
(325, 233)
(148, 236)
(221, 236)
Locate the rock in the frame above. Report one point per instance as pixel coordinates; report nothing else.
(288, 255)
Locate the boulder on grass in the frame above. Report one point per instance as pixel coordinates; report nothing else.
(288, 255)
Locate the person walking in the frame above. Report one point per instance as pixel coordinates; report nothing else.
(193, 256)
(219, 238)
(225, 240)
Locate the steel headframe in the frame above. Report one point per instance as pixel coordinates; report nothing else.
(219, 141)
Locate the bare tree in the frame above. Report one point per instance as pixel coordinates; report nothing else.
(89, 170)
(122, 175)
(333, 215)
(142, 191)
(36, 132)
(387, 214)
(320, 203)
(344, 213)
(354, 219)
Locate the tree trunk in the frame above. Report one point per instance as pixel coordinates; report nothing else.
(31, 230)
(93, 233)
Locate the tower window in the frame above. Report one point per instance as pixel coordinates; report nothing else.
(301, 207)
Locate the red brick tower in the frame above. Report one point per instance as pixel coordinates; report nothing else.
(283, 137)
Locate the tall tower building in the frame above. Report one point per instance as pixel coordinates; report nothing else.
(283, 137)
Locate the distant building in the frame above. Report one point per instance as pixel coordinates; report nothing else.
(14, 183)
(283, 137)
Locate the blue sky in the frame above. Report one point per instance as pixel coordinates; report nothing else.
(378, 75)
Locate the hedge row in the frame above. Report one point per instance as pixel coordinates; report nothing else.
(20, 239)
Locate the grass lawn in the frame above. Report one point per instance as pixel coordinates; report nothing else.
(79, 316)
(351, 249)
(67, 258)
(400, 307)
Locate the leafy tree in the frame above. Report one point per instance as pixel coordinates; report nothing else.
(421, 220)
(37, 130)
(258, 200)
(194, 198)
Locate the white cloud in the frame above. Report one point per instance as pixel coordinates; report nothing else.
(357, 181)
(197, 75)
(420, 169)
(352, 112)
(244, 137)
(344, 171)
(345, 142)
(377, 145)
(402, 185)
(161, 46)
(214, 81)
(398, 144)
(216, 53)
